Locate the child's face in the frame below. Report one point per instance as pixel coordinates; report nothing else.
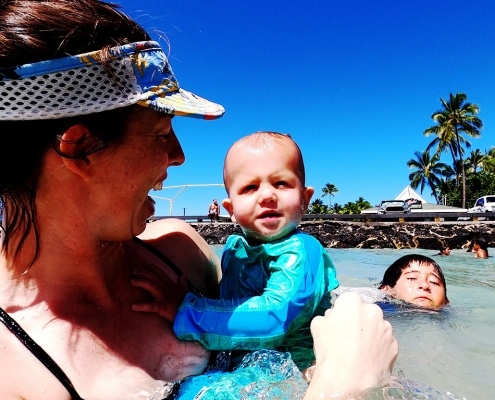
(419, 284)
(266, 197)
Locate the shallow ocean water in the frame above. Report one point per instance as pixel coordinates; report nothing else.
(451, 352)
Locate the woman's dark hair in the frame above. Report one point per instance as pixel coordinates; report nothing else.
(393, 273)
(37, 30)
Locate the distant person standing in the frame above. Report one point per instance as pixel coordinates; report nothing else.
(214, 211)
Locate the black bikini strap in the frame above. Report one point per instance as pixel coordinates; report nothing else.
(167, 261)
(38, 352)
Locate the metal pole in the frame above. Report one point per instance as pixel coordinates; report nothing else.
(183, 187)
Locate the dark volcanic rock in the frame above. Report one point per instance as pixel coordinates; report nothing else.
(374, 236)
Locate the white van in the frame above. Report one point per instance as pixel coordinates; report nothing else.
(483, 204)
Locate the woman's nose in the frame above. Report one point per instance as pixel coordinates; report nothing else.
(176, 154)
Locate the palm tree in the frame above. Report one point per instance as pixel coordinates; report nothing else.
(489, 161)
(457, 116)
(442, 189)
(428, 171)
(337, 208)
(329, 189)
(362, 204)
(317, 207)
(475, 160)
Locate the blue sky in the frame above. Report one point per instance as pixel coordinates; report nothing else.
(354, 83)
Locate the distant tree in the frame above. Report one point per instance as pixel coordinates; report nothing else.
(444, 186)
(362, 204)
(475, 160)
(351, 208)
(457, 116)
(489, 161)
(317, 207)
(329, 189)
(337, 208)
(428, 172)
(477, 185)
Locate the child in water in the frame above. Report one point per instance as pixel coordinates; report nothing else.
(413, 278)
(275, 279)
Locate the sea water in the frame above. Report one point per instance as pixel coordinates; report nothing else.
(443, 355)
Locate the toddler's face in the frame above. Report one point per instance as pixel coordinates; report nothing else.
(420, 284)
(266, 197)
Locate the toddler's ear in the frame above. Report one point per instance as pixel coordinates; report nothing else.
(227, 204)
(307, 194)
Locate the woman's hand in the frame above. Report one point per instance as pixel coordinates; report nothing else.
(354, 346)
(167, 295)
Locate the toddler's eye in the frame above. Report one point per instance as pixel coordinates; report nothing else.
(249, 189)
(281, 184)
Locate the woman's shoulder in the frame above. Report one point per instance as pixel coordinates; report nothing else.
(161, 227)
(185, 247)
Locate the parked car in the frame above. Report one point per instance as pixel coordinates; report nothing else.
(483, 204)
(414, 203)
(394, 206)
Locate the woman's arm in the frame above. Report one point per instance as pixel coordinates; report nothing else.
(355, 349)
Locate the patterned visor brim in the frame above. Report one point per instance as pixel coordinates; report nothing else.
(137, 73)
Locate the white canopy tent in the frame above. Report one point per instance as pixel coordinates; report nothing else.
(409, 193)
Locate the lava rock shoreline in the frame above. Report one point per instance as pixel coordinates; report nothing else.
(344, 235)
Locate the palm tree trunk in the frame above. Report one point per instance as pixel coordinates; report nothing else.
(462, 167)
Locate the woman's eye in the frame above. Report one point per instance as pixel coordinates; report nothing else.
(411, 279)
(435, 283)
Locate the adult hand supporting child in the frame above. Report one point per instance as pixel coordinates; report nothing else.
(352, 339)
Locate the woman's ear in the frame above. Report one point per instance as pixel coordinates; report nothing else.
(73, 145)
(227, 204)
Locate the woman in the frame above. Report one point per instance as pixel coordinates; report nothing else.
(84, 139)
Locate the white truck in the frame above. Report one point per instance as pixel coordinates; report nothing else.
(483, 204)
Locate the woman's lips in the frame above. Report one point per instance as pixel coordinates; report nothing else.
(158, 186)
(151, 203)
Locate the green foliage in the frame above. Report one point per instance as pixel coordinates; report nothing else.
(329, 189)
(456, 117)
(477, 184)
(317, 207)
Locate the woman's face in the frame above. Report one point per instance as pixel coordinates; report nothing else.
(419, 284)
(135, 167)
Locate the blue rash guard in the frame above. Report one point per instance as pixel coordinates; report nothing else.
(269, 293)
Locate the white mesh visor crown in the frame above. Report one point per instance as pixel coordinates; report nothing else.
(138, 73)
